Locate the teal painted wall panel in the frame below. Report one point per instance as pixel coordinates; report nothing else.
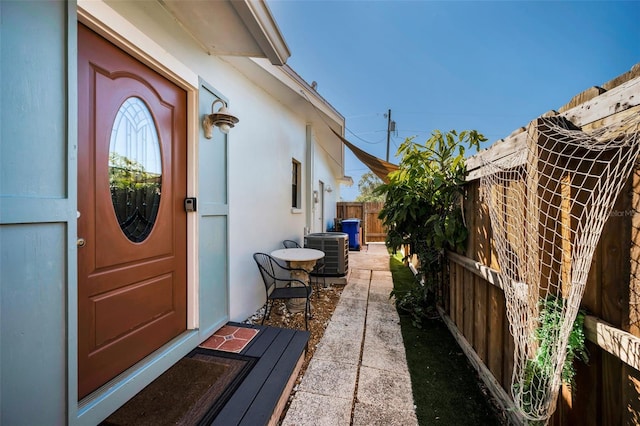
(33, 88)
(32, 323)
(213, 156)
(213, 222)
(37, 211)
(214, 311)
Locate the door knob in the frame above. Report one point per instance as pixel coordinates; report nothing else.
(81, 242)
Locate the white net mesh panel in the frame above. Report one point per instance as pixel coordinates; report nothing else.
(547, 214)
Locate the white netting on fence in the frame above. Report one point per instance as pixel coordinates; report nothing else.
(548, 205)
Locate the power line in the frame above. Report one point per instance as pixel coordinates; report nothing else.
(363, 140)
(459, 113)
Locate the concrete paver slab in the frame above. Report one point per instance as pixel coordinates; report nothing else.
(382, 311)
(357, 274)
(384, 358)
(383, 335)
(318, 410)
(385, 388)
(338, 349)
(379, 296)
(378, 279)
(351, 306)
(331, 378)
(374, 415)
(346, 328)
(361, 345)
(356, 290)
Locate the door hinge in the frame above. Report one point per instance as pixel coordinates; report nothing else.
(190, 204)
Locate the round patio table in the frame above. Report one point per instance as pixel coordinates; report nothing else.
(299, 258)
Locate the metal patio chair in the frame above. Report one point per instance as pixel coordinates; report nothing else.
(279, 284)
(318, 269)
(290, 244)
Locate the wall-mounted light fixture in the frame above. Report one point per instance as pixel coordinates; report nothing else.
(222, 119)
(329, 189)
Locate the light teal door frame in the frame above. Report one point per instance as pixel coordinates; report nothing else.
(213, 226)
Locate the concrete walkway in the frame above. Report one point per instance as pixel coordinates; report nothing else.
(358, 374)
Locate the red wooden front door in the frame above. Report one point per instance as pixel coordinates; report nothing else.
(132, 224)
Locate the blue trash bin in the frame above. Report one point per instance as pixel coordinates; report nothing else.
(352, 228)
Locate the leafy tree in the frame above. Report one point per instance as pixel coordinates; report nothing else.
(125, 173)
(367, 185)
(423, 209)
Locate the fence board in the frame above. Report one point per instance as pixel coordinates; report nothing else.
(611, 381)
(467, 282)
(347, 210)
(613, 102)
(469, 204)
(631, 392)
(482, 226)
(502, 398)
(372, 229)
(615, 242)
(607, 390)
(459, 317)
(631, 396)
(495, 330)
(586, 408)
(623, 345)
(563, 407)
(634, 257)
(480, 318)
(509, 347)
(452, 292)
(591, 299)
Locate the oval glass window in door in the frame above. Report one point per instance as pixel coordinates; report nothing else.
(135, 169)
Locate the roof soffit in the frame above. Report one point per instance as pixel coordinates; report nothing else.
(232, 27)
(290, 90)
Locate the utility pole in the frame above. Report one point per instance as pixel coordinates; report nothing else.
(388, 132)
(391, 127)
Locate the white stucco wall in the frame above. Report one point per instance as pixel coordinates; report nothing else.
(261, 148)
(324, 171)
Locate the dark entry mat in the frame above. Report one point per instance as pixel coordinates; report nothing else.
(191, 392)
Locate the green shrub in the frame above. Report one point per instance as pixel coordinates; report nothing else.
(422, 210)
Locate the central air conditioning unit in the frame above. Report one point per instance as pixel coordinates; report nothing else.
(335, 246)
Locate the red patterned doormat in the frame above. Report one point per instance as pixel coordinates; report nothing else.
(192, 392)
(230, 338)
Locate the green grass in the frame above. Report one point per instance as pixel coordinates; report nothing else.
(446, 390)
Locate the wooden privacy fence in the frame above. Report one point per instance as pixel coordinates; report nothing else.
(372, 228)
(607, 390)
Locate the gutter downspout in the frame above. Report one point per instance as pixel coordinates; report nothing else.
(309, 180)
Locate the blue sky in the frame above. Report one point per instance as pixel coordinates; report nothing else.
(488, 66)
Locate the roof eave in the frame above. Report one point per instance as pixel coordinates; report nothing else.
(263, 27)
(244, 28)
